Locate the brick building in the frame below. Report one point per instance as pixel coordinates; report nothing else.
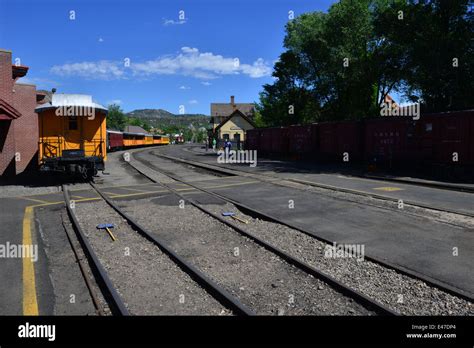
(18, 120)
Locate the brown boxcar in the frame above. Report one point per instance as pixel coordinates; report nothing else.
(300, 142)
(251, 139)
(391, 140)
(327, 141)
(279, 138)
(340, 141)
(447, 138)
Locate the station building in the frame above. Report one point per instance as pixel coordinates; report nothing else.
(18, 120)
(231, 121)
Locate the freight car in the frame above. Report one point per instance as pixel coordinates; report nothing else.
(434, 141)
(72, 135)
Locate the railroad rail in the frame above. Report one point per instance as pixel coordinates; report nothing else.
(227, 171)
(403, 270)
(303, 266)
(220, 294)
(114, 300)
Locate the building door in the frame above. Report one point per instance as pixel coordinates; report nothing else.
(237, 140)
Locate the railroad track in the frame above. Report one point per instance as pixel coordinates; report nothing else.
(227, 171)
(405, 271)
(278, 182)
(303, 266)
(111, 295)
(426, 183)
(115, 302)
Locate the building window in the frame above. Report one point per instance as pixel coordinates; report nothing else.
(225, 136)
(73, 123)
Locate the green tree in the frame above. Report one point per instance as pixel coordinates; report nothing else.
(343, 63)
(436, 40)
(257, 119)
(116, 119)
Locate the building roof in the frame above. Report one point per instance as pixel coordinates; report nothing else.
(235, 113)
(68, 100)
(225, 109)
(134, 129)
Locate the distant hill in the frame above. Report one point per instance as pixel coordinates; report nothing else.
(150, 113)
(163, 119)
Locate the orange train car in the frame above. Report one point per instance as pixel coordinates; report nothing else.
(121, 140)
(133, 139)
(148, 139)
(72, 135)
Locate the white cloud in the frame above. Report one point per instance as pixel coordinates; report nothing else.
(187, 62)
(193, 101)
(102, 70)
(206, 83)
(184, 87)
(101, 39)
(206, 65)
(258, 69)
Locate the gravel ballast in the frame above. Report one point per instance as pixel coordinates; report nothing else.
(147, 280)
(261, 280)
(399, 292)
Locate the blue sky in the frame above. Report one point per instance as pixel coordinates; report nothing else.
(220, 48)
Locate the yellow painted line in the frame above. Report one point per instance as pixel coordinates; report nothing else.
(388, 189)
(114, 195)
(33, 199)
(131, 189)
(76, 196)
(109, 187)
(110, 193)
(62, 202)
(145, 193)
(30, 303)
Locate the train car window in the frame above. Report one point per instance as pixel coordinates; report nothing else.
(428, 127)
(73, 123)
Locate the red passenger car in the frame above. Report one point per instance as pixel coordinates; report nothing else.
(114, 140)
